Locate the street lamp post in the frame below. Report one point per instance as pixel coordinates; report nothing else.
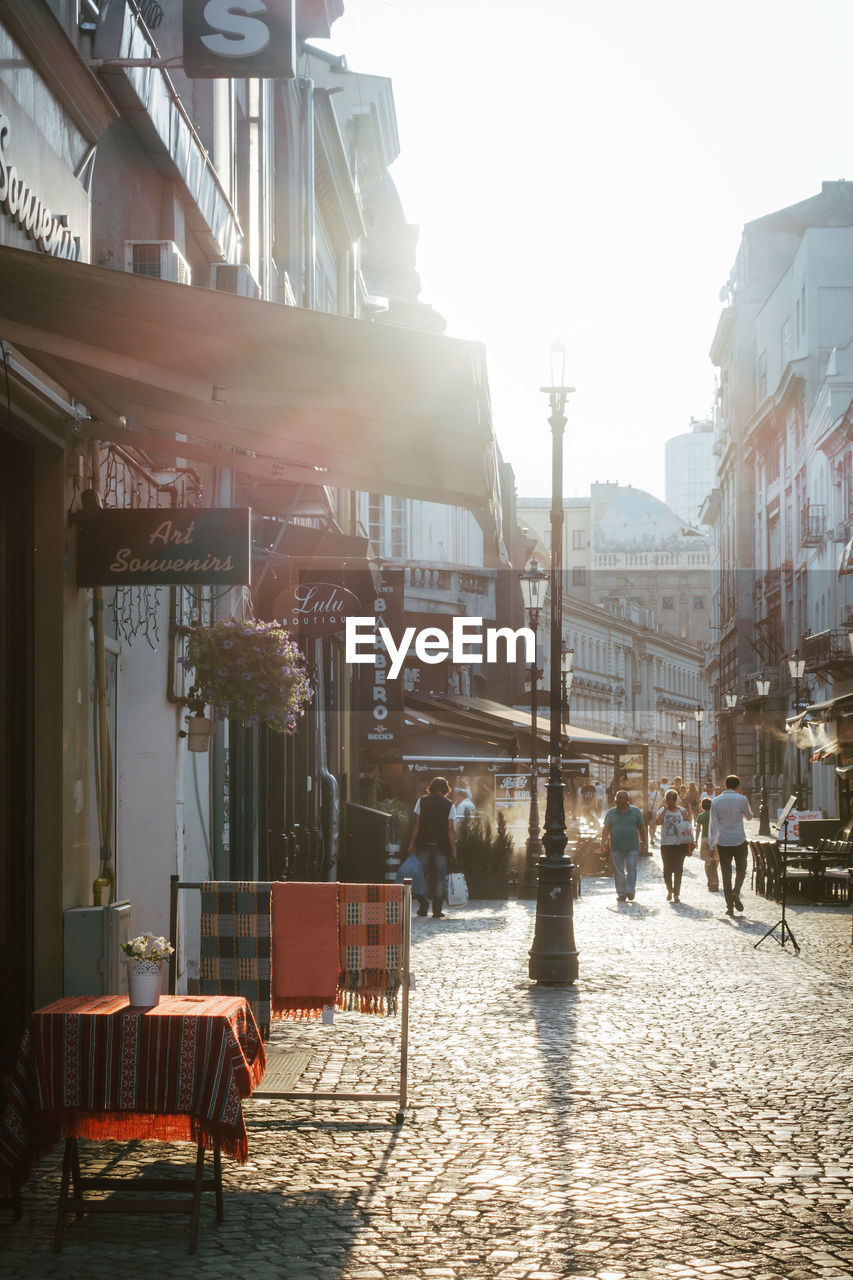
(700, 716)
(797, 668)
(762, 687)
(731, 705)
(553, 955)
(682, 725)
(567, 660)
(533, 582)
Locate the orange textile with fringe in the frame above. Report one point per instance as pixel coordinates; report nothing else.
(371, 933)
(304, 948)
(93, 1067)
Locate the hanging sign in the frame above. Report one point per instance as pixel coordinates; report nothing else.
(164, 547)
(316, 608)
(239, 39)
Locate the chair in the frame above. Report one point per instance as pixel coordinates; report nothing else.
(759, 867)
(799, 880)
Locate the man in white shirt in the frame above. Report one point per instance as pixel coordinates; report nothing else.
(726, 834)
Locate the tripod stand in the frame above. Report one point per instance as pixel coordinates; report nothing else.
(782, 925)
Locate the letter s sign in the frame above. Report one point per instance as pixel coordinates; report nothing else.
(233, 39)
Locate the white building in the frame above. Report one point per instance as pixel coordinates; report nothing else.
(690, 470)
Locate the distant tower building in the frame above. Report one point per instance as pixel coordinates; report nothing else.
(690, 470)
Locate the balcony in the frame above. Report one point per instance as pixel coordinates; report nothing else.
(813, 524)
(828, 653)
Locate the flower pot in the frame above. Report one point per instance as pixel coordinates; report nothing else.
(199, 733)
(144, 979)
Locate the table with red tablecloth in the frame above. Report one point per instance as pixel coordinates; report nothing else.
(96, 1067)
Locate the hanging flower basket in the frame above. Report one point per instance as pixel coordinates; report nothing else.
(248, 671)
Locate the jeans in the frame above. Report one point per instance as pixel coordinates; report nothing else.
(672, 856)
(434, 863)
(740, 854)
(625, 871)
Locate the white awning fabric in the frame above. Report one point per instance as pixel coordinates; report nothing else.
(325, 399)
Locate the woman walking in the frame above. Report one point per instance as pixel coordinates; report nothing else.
(676, 842)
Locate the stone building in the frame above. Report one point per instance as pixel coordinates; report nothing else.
(784, 511)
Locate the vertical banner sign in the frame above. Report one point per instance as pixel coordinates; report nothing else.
(239, 39)
(381, 700)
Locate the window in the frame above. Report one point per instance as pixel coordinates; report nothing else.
(579, 539)
(762, 377)
(785, 341)
(578, 576)
(698, 602)
(387, 525)
(668, 602)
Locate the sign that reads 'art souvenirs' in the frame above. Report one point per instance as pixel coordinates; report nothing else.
(164, 547)
(237, 39)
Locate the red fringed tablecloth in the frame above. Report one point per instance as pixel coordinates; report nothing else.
(93, 1067)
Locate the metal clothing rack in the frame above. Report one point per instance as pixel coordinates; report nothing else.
(401, 1094)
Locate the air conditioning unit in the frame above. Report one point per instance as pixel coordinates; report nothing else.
(234, 278)
(158, 259)
(93, 959)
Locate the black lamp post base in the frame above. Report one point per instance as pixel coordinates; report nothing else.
(553, 956)
(763, 819)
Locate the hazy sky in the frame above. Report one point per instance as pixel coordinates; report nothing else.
(585, 170)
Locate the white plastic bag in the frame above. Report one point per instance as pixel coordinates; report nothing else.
(457, 889)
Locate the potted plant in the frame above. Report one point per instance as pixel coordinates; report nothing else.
(485, 858)
(246, 670)
(145, 956)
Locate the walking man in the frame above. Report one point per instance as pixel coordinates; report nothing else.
(727, 836)
(624, 834)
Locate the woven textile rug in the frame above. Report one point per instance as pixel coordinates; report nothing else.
(304, 948)
(370, 923)
(235, 943)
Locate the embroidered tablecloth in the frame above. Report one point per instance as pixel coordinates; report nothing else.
(93, 1067)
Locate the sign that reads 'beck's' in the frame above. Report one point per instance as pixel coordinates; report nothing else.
(238, 39)
(164, 547)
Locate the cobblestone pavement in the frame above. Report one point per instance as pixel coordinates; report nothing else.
(683, 1111)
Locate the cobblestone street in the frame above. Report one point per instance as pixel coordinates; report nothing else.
(684, 1111)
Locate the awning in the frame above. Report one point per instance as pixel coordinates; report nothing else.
(322, 398)
(493, 716)
(821, 712)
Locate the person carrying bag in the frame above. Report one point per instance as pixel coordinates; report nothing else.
(434, 841)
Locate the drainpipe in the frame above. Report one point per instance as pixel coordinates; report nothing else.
(307, 87)
(330, 796)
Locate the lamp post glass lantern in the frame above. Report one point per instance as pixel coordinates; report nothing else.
(762, 686)
(700, 716)
(533, 583)
(553, 955)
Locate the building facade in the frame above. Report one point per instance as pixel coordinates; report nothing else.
(783, 514)
(191, 321)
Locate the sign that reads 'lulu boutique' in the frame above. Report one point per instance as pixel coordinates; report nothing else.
(20, 203)
(316, 608)
(164, 547)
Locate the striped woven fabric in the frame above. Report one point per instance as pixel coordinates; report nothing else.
(370, 926)
(92, 1067)
(235, 943)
